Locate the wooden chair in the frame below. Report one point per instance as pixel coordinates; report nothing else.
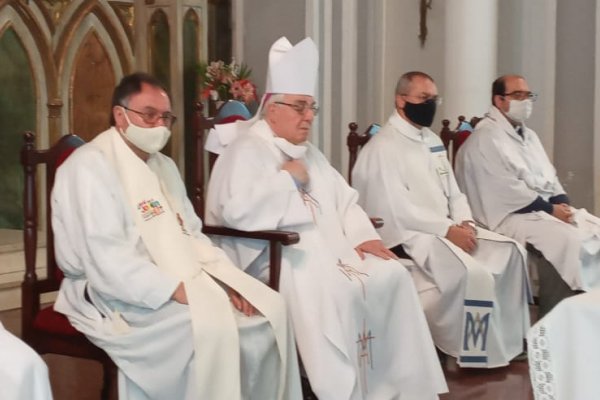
(355, 142)
(276, 238)
(44, 329)
(454, 138)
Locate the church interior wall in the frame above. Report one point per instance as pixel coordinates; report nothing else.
(574, 109)
(264, 22)
(527, 46)
(403, 51)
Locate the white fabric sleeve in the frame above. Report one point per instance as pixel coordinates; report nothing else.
(459, 206)
(96, 238)
(355, 222)
(385, 195)
(256, 196)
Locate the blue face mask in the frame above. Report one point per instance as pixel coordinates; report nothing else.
(421, 114)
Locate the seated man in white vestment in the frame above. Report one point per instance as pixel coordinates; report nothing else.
(472, 283)
(23, 373)
(513, 189)
(360, 331)
(143, 283)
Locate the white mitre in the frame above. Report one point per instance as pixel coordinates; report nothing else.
(292, 70)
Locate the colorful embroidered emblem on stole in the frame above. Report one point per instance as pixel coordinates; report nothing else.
(150, 209)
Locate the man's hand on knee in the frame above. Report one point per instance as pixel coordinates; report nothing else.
(376, 248)
(463, 237)
(562, 212)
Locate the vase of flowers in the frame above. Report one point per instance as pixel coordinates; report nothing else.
(220, 82)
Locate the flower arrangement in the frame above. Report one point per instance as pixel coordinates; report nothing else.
(222, 82)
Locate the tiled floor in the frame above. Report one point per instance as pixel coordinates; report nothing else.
(81, 380)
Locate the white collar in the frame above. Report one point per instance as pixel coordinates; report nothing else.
(496, 115)
(293, 151)
(406, 128)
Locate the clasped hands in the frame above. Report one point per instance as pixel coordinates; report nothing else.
(463, 235)
(237, 300)
(563, 212)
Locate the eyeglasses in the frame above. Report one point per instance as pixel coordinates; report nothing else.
(301, 107)
(426, 99)
(522, 95)
(152, 116)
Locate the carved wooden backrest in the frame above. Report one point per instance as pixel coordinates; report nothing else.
(31, 159)
(355, 141)
(202, 125)
(228, 112)
(454, 138)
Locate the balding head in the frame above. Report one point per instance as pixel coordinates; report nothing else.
(416, 98)
(507, 84)
(511, 95)
(405, 81)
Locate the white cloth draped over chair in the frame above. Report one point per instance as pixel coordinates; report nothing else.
(564, 350)
(23, 373)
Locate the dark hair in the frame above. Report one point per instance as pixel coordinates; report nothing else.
(499, 85)
(406, 79)
(130, 85)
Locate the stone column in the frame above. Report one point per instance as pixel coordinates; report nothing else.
(470, 57)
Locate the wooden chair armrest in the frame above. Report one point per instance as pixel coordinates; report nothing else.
(377, 222)
(286, 238)
(276, 240)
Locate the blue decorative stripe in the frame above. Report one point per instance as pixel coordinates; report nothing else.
(479, 303)
(437, 149)
(473, 359)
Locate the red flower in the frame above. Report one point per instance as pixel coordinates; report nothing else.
(220, 81)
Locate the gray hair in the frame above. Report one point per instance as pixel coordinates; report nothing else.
(274, 98)
(403, 85)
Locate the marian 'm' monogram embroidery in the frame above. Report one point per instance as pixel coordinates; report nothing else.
(150, 209)
(476, 326)
(365, 353)
(474, 329)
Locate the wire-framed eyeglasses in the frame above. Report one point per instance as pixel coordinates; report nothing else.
(522, 95)
(152, 116)
(301, 107)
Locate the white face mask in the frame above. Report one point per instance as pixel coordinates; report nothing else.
(150, 140)
(519, 110)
